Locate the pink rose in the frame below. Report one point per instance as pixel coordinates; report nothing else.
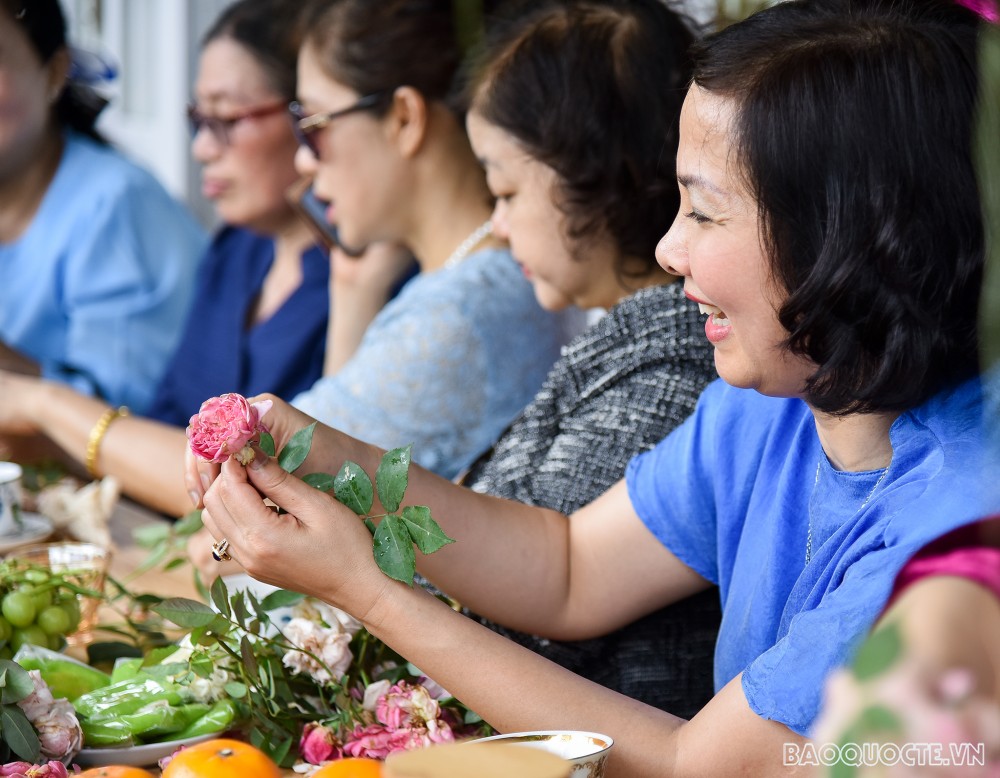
(319, 744)
(225, 426)
(373, 742)
(26, 770)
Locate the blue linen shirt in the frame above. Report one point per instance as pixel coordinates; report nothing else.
(97, 287)
(218, 354)
(733, 492)
(446, 365)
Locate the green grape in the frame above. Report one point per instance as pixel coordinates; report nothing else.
(71, 605)
(32, 634)
(18, 608)
(54, 620)
(36, 576)
(41, 597)
(5, 630)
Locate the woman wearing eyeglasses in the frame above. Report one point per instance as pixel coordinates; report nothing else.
(97, 261)
(261, 303)
(457, 355)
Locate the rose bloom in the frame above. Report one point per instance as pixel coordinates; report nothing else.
(225, 426)
(330, 645)
(55, 721)
(26, 770)
(319, 744)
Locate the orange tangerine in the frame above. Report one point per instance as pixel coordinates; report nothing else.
(221, 758)
(352, 767)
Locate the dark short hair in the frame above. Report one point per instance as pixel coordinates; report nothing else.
(853, 130)
(593, 89)
(372, 47)
(271, 31)
(45, 25)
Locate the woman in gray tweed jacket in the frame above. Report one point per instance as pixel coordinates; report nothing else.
(585, 186)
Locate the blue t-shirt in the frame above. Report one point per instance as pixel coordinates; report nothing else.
(98, 286)
(733, 493)
(446, 365)
(217, 353)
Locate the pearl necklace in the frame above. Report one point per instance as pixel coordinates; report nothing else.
(478, 236)
(809, 533)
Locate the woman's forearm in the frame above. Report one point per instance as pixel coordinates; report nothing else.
(516, 690)
(145, 456)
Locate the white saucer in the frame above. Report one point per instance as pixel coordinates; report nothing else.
(35, 527)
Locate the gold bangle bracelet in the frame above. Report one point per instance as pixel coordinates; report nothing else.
(97, 435)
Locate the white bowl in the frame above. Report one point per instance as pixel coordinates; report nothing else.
(586, 751)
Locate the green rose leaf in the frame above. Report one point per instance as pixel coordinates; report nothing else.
(148, 537)
(878, 653)
(249, 660)
(15, 683)
(185, 613)
(280, 599)
(220, 596)
(393, 549)
(19, 733)
(391, 477)
(322, 481)
(295, 453)
(267, 443)
(353, 488)
(424, 531)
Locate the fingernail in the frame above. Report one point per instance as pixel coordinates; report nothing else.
(259, 459)
(195, 497)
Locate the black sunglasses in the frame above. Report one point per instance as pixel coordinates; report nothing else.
(306, 126)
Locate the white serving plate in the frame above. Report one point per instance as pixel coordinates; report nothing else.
(136, 756)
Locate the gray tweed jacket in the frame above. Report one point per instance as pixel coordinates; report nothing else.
(618, 389)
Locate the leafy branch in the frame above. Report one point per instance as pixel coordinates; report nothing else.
(399, 528)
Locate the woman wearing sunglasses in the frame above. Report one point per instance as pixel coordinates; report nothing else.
(262, 289)
(449, 362)
(97, 261)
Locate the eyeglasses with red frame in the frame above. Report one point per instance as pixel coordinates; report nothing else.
(221, 127)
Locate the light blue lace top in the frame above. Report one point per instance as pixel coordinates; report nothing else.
(446, 365)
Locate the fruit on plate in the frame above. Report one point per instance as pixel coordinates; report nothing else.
(352, 767)
(221, 758)
(115, 771)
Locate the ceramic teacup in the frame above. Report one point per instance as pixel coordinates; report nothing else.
(586, 751)
(10, 499)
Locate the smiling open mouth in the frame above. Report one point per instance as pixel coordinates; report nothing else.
(717, 314)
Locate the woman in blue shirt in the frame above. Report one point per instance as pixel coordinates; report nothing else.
(830, 226)
(97, 261)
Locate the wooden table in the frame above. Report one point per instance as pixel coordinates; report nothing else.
(127, 556)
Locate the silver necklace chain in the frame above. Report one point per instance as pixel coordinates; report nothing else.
(478, 235)
(809, 532)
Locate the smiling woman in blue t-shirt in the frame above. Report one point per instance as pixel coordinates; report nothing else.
(830, 226)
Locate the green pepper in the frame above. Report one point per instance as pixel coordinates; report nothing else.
(126, 697)
(107, 733)
(219, 718)
(155, 719)
(125, 668)
(66, 678)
